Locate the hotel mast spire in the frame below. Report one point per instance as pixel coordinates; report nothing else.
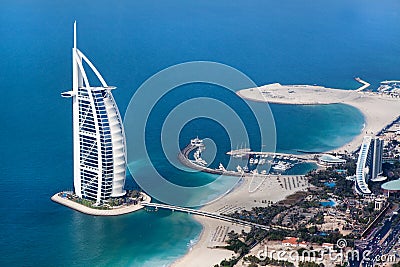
(75, 34)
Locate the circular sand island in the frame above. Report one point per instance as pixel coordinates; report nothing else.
(379, 110)
(299, 94)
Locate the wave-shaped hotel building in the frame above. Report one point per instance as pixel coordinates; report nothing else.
(369, 163)
(98, 134)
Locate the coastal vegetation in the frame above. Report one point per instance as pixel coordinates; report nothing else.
(241, 243)
(301, 215)
(260, 215)
(254, 261)
(89, 203)
(342, 187)
(322, 214)
(131, 197)
(391, 170)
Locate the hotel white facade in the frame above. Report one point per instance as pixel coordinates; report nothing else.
(369, 163)
(98, 135)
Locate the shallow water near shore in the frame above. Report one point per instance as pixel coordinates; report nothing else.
(290, 42)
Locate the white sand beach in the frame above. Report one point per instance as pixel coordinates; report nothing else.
(203, 253)
(274, 188)
(378, 109)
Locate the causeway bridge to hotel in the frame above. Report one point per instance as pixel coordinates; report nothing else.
(206, 214)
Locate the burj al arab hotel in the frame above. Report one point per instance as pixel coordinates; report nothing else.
(98, 135)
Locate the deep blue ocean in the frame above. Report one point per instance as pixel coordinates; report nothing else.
(290, 41)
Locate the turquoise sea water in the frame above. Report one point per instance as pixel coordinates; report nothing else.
(307, 42)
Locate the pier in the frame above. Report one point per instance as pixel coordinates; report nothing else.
(365, 84)
(183, 157)
(238, 152)
(388, 82)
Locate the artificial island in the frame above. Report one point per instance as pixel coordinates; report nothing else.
(99, 148)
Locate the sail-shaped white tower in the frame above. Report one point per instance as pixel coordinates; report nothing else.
(98, 133)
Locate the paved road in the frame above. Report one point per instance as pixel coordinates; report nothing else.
(378, 244)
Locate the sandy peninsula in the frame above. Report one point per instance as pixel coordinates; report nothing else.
(378, 109)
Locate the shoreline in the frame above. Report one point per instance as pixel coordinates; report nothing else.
(200, 254)
(374, 122)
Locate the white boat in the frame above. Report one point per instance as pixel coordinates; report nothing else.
(239, 152)
(197, 142)
(281, 166)
(221, 167)
(197, 157)
(239, 169)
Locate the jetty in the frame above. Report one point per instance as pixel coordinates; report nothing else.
(183, 157)
(390, 81)
(241, 152)
(365, 84)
